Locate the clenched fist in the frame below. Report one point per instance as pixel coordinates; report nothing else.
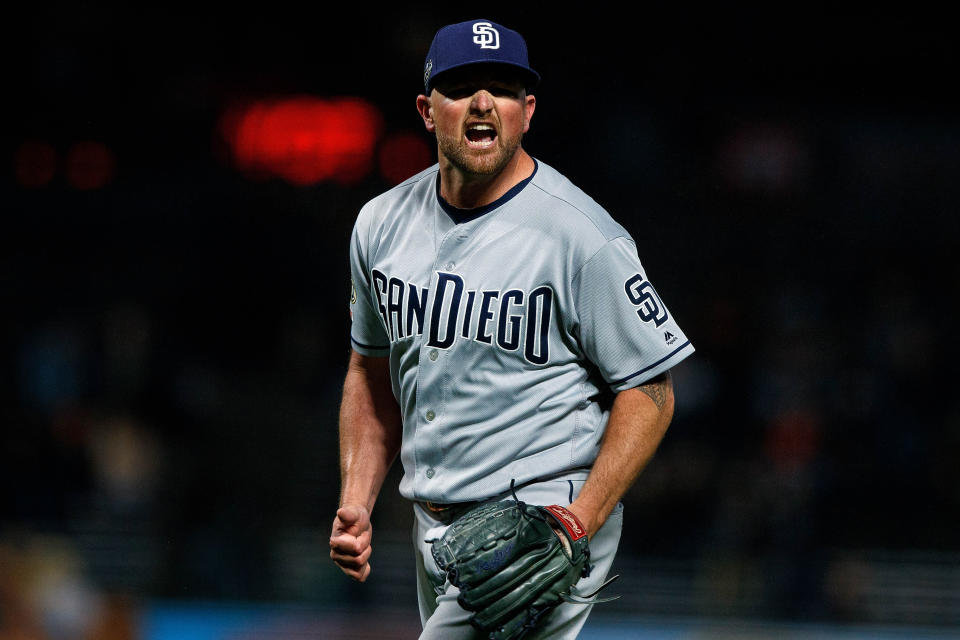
(350, 541)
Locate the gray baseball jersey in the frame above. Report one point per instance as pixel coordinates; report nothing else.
(502, 324)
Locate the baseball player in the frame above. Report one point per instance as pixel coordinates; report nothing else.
(504, 333)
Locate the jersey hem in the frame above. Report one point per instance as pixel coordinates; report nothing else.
(576, 474)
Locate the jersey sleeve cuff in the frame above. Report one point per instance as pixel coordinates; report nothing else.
(653, 370)
(369, 349)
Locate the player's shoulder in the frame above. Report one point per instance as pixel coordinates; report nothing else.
(412, 190)
(581, 213)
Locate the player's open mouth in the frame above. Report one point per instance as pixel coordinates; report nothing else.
(481, 135)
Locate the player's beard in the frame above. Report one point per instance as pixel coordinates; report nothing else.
(488, 162)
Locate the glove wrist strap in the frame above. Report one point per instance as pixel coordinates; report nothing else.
(568, 521)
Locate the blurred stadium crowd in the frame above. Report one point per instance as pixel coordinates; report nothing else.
(175, 334)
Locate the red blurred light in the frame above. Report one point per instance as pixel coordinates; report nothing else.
(793, 439)
(305, 140)
(90, 165)
(35, 163)
(403, 155)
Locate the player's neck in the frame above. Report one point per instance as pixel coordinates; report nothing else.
(469, 191)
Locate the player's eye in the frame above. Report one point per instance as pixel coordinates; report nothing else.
(456, 93)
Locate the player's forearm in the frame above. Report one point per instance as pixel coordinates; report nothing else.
(370, 430)
(638, 420)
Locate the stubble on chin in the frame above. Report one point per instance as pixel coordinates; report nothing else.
(479, 164)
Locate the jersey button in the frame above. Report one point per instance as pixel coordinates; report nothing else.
(431, 415)
(431, 473)
(434, 354)
(450, 265)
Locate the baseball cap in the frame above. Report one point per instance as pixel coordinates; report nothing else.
(477, 42)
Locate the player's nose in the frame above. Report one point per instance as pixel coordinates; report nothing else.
(482, 101)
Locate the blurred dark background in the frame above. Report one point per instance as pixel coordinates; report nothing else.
(179, 192)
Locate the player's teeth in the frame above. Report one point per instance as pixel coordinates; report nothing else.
(481, 133)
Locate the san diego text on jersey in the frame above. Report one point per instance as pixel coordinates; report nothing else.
(511, 319)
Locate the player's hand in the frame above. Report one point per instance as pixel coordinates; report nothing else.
(350, 541)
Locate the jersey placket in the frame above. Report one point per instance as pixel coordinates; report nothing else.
(433, 373)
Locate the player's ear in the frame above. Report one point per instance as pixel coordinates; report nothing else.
(529, 106)
(426, 112)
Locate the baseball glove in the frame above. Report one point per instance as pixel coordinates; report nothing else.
(514, 562)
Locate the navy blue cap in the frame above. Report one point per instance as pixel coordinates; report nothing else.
(476, 42)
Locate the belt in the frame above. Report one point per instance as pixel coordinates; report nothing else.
(451, 511)
(444, 511)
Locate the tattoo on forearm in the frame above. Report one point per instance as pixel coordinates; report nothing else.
(657, 388)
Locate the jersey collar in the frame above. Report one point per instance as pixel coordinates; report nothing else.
(466, 215)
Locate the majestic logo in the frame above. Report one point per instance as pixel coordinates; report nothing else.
(353, 292)
(669, 338)
(642, 294)
(486, 36)
(427, 70)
